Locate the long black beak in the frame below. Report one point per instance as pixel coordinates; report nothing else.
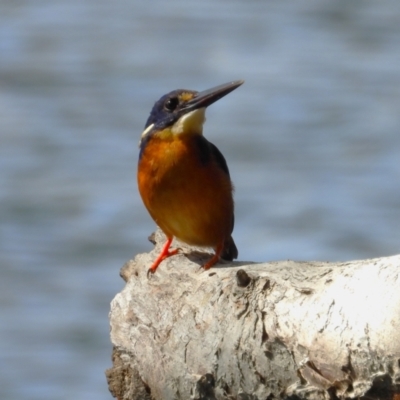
(210, 96)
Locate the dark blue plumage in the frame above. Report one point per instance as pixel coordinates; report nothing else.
(166, 110)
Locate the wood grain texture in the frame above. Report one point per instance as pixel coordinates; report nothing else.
(245, 330)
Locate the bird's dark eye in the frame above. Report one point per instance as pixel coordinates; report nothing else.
(171, 103)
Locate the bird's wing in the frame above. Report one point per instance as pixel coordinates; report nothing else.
(208, 151)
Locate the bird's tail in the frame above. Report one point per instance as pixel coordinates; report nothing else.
(230, 251)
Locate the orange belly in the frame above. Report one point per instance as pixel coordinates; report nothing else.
(187, 198)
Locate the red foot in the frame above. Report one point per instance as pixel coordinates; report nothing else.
(165, 253)
(215, 258)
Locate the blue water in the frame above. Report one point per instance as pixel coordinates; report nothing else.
(312, 141)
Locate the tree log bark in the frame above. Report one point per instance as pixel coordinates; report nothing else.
(278, 330)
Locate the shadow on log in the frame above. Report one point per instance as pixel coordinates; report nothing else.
(279, 330)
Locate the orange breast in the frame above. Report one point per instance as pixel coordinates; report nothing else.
(187, 197)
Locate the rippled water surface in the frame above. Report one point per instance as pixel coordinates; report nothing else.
(312, 141)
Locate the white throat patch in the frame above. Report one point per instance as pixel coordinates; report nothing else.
(190, 123)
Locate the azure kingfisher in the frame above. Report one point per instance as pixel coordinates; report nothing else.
(183, 178)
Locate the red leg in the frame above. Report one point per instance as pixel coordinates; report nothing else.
(215, 258)
(165, 252)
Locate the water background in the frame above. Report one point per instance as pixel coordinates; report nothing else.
(312, 141)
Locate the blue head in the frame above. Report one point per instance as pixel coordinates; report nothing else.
(182, 111)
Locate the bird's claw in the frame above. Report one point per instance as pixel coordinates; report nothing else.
(150, 273)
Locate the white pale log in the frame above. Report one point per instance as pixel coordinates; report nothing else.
(284, 329)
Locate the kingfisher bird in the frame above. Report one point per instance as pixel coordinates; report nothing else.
(183, 178)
